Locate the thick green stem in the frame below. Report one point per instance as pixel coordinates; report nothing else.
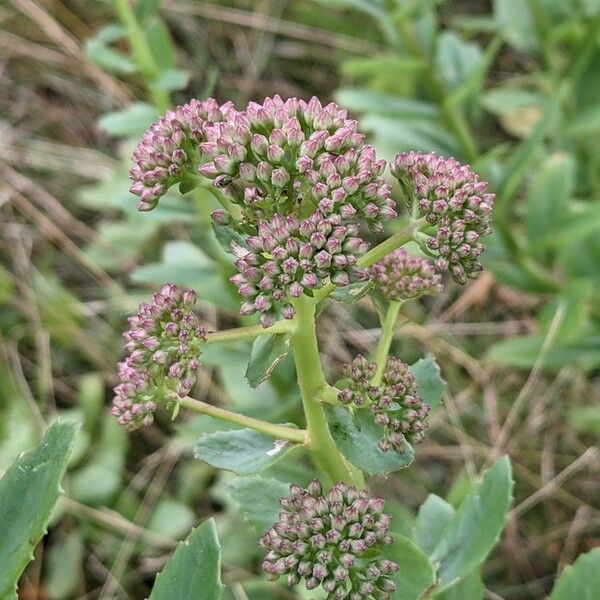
(244, 333)
(277, 431)
(385, 340)
(142, 53)
(311, 380)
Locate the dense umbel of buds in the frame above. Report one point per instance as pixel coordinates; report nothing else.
(289, 257)
(163, 346)
(292, 157)
(399, 276)
(170, 149)
(395, 403)
(334, 540)
(451, 196)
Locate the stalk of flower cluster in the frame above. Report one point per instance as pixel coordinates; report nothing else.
(385, 339)
(312, 383)
(252, 331)
(277, 431)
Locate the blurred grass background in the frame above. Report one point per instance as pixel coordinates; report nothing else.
(511, 86)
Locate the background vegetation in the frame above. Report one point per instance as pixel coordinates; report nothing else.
(511, 86)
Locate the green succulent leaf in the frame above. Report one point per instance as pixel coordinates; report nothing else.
(242, 451)
(28, 492)
(430, 384)
(226, 236)
(99, 480)
(267, 352)
(469, 587)
(64, 559)
(187, 265)
(475, 527)
(581, 580)
(194, 570)
(132, 121)
(258, 498)
(455, 59)
(432, 519)
(548, 198)
(358, 437)
(416, 574)
(516, 22)
(352, 293)
(367, 101)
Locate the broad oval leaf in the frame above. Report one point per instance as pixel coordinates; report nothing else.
(432, 519)
(430, 384)
(267, 352)
(581, 580)
(185, 264)
(28, 492)
(392, 135)
(476, 526)
(515, 20)
(358, 437)
(351, 293)
(194, 570)
(132, 121)
(99, 52)
(368, 101)
(416, 574)
(258, 498)
(548, 198)
(242, 451)
(455, 59)
(469, 587)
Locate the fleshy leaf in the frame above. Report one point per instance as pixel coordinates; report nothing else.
(267, 352)
(351, 293)
(258, 499)
(432, 519)
(132, 121)
(469, 587)
(187, 265)
(416, 574)
(430, 384)
(226, 236)
(476, 526)
(358, 437)
(194, 570)
(28, 492)
(242, 451)
(581, 580)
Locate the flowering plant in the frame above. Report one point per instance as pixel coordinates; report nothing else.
(301, 196)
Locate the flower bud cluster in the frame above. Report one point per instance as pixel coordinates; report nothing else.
(395, 403)
(289, 257)
(171, 147)
(292, 157)
(399, 276)
(451, 196)
(163, 349)
(333, 540)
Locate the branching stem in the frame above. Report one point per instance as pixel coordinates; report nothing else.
(311, 380)
(282, 432)
(252, 331)
(385, 340)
